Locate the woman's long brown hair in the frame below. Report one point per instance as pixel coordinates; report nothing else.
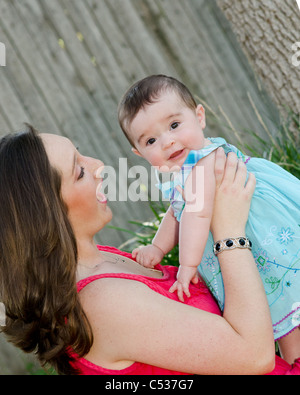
(38, 256)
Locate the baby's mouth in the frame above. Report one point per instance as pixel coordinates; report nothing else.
(176, 154)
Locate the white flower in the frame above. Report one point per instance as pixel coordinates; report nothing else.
(285, 236)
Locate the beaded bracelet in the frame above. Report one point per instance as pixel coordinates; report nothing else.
(232, 243)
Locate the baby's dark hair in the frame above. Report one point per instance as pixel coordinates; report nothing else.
(147, 91)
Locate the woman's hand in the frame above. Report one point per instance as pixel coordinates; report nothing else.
(233, 196)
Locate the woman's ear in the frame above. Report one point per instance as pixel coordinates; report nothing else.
(135, 151)
(200, 112)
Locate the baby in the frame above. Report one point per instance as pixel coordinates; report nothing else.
(164, 125)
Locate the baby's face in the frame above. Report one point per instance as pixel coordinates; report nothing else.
(164, 132)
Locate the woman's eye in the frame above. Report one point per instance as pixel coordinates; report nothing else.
(174, 125)
(81, 174)
(151, 141)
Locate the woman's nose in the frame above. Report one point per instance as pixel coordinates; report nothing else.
(95, 166)
(99, 167)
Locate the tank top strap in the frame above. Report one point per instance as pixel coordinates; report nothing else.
(160, 285)
(150, 282)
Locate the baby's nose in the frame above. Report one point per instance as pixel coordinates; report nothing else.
(168, 142)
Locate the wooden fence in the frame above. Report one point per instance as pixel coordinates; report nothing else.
(69, 61)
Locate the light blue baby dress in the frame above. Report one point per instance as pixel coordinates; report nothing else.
(273, 227)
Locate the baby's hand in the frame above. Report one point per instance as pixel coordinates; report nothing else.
(148, 256)
(185, 275)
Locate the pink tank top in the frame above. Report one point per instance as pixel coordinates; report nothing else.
(200, 298)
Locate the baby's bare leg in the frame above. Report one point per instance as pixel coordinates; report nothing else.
(289, 346)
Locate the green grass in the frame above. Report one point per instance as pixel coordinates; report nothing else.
(34, 369)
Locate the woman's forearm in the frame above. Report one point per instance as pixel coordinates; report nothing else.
(246, 307)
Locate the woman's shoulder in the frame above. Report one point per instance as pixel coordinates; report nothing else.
(110, 295)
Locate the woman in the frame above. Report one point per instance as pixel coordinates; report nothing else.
(51, 207)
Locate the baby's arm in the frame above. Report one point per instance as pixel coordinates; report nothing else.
(165, 239)
(199, 194)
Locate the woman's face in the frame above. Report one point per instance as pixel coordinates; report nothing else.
(81, 182)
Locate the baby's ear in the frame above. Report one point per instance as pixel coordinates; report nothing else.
(135, 151)
(201, 116)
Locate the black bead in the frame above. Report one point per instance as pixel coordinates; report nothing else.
(242, 242)
(218, 246)
(229, 243)
(250, 244)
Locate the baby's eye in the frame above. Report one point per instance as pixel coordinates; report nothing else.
(174, 125)
(151, 141)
